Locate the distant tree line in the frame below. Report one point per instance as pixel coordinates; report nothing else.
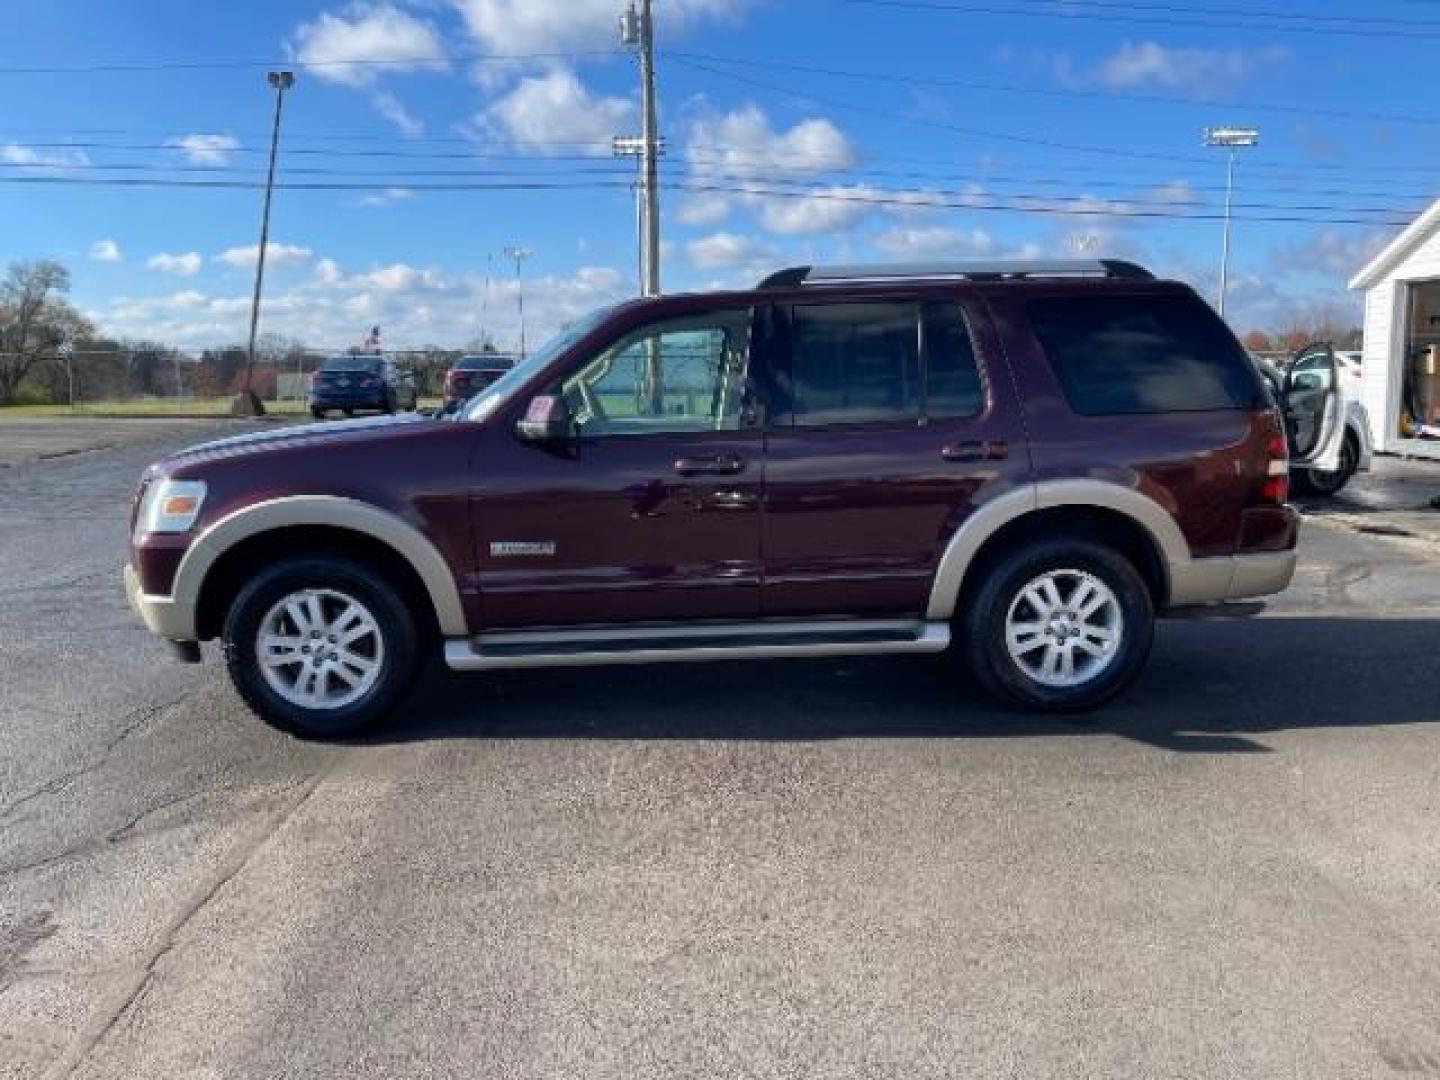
(51, 354)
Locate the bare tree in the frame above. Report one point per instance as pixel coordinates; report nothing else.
(35, 318)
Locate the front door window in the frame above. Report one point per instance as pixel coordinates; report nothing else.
(687, 375)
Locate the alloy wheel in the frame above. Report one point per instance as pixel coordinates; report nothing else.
(1064, 628)
(320, 649)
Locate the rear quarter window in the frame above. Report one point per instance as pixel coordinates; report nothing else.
(1143, 354)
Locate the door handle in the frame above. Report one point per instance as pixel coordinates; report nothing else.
(989, 450)
(719, 465)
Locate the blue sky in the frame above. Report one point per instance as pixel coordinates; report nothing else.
(796, 130)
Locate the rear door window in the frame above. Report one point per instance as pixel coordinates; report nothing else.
(1143, 354)
(855, 364)
(879, 363)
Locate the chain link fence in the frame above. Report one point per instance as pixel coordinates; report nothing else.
(168, 382)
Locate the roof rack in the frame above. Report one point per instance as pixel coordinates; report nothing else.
(793, 277)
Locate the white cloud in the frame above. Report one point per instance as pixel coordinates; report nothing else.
(328, 272)
(343, 47)
(724, 249)
(744, 151)
(935, 242)
(1203, 72)
(1176, 193)
(48, 161)
(393, 109)
(703, 208)
(186, 265)
(511, 26)
(399, 277)
(207, 149)
(1336, 252)
(820, 210)
(744, 143)
(388, 196)
(557, 114)
(329, 310)
(106, 251)
(275, 255)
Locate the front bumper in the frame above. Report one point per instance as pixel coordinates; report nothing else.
(160, 614)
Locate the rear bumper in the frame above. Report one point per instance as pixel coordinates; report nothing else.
(160, 614)
(370, 399)
(1265, 564)
(1231, 577)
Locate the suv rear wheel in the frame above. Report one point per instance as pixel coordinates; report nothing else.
(1060, 625)
(320, 646)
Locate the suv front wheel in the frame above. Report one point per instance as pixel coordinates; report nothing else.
(320, 646)
(1059, 625)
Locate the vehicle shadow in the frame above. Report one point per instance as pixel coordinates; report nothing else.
(1211, 687)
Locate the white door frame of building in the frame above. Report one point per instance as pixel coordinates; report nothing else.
(1395, 377)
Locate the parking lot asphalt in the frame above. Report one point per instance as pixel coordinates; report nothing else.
(27, 439)
(847, 868)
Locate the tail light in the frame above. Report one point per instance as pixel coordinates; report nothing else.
(1276, 488)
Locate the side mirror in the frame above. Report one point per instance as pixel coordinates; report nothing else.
(547, 420)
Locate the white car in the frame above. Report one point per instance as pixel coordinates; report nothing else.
(1340, 445)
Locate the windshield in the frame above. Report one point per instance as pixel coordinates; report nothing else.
(352, 363)
(489, 399)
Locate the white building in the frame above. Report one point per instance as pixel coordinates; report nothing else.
(1402, 339)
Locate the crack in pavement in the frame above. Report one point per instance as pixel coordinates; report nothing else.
(63, 583)
(130, 989)
(142, 716)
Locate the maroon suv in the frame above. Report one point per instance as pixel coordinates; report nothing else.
(1022, 462)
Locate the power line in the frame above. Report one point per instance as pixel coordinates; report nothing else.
(1006, 136)
(740, 179)
(125, 66)
(1076, 10)
(1251, 13)
(910, 79)
(875, 197)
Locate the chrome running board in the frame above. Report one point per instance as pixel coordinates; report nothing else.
(693, 643)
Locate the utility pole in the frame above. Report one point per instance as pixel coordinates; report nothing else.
(519, 255)
(623, 146)
(1231, 139)
(637, 30)
(247, 402)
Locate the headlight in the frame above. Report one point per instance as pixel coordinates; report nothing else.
(171, 506)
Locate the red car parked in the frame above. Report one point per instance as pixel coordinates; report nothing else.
(471, 374)
(1024, 462)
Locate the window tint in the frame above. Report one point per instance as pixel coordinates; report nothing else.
(686, 375)
(854, 364)
(952, 378)
(1143, 354)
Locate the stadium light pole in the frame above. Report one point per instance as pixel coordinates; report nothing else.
(518, 255)
(247, 402)
(1231, 139)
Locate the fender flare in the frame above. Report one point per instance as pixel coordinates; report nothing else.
(333, 511)
(989, 519)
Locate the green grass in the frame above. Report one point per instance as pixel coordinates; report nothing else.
(159, 408)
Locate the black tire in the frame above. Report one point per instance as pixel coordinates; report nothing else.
(318, 414)
(1323, 484)
(338, 574)
(982, 624)
(348, 412)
